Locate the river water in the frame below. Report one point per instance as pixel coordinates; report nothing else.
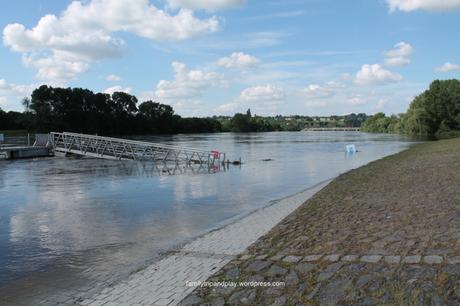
(100, 220)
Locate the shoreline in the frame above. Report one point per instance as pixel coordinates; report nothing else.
(385, 233)
(239, 217)
(196, 248)
(164, 282)
(179, 247)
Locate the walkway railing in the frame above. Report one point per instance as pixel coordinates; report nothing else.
(117, 148)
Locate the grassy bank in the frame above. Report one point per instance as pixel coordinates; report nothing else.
(393, 227)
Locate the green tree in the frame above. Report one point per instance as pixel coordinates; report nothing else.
(240, 123)
(157, 117)
(41, 105)
(435, 110)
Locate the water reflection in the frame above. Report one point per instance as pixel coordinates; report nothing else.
(99, 219)
(130, 168)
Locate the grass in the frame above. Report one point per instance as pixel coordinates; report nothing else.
(449, 134)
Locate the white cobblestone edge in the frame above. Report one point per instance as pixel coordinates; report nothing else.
(375, 258)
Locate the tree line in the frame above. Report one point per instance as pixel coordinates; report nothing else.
(11, 120)
(81, 110)
(248, 123)
(435, 112)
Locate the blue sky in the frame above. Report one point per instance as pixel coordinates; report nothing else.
(206, 57)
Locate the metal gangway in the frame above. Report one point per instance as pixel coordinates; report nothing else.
(125, 149)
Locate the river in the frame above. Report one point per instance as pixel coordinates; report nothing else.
(89, 220)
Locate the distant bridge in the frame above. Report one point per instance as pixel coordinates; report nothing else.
(335, 129)
(125, 149)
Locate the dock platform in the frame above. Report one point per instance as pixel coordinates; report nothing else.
(19, 152)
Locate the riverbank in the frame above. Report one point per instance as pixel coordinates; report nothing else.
(170, 280)
(386, 233)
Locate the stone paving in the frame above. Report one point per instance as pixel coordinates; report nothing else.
(384, 234)
(328, 282)
(167, 281)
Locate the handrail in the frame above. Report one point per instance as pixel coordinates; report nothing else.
(130, 141)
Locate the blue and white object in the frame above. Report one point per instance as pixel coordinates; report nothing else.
(350, 149)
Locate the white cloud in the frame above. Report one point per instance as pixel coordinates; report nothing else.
(375, 75)
(264, 93)
(187, 84)
(322, 91)
(227, 108)
(262, 99)
(113, 78)
(15, 89)
(84, 33)
(428, 5)
(117, 88)
(399, 55)
(238, 60)
(11, 94)
(357, 99)
(190, 108)
(56, 69)
(313, 89)
(209, 5)
(448, 67)
(397, 61)
(318, 96)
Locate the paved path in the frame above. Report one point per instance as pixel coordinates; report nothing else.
(165, 283)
